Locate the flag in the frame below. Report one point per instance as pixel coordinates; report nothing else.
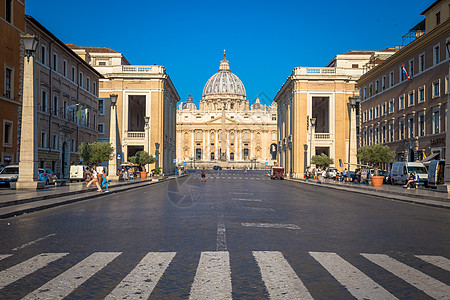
(78, 114)
(405, 73)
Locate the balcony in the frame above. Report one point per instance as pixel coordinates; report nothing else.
(136, 135)
(322, 136)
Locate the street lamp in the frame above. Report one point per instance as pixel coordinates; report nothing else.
(313, 132)
(447, 134)
(112, 174)
(28, 169)
(147, 126)
(352, 132)
(157, 156)
(305, 157)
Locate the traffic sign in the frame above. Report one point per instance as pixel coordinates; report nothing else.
(119, 156)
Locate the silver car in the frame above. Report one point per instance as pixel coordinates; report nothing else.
(9, 174)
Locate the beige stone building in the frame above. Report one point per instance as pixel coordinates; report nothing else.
(225, 130)
(320, 94)
(66, 88)
(410, 115)
(12, 25)
(143, 91)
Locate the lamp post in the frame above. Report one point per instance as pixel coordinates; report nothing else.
(28, 168)
(305, 158)
(352, 132)
(112, 174)
(447, 133)
(157, 156)
(313, 132)
(147, 127)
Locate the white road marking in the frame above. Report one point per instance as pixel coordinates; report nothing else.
(141, 281)
(423, 282)
(3, 256)
(279, 278)
(33, 242)
(221, 234)
(249, 200)
(355, 281)
(213, 277)
(272, 225)
(438, 261)
(241, 193)
(64, 284)
(27, 267)
(261, 209)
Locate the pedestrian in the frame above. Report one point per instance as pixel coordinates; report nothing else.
(413, 180)
(324, 174)
(203, 175)
(344, 175)
(104, 181)
(94, 179)
(245, 170)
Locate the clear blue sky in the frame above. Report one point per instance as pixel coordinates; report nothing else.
(265, 40)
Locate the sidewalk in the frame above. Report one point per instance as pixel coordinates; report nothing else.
(395, 192)
(16, 202)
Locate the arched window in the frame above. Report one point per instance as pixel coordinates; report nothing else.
(212, 136)
(199, 135)
(232, 136)
(246, 135)
(212, 155)
(231, 156)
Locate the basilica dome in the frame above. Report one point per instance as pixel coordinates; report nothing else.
(224, 82)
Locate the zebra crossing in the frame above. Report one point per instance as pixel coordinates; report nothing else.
(214, 274)
(238, 177)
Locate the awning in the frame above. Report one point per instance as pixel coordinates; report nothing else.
(430, 157)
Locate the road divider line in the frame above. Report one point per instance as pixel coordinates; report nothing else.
(272, 225)
(279, 278)
(213, 277)
(62, 285)
(221, 234)
(33, 242)
(439, 261)
(260, 209)
(3, 256)
(421, 281)
(241, 193)
(355, 281)
(27, 267)
(141, 281)
(249, 200)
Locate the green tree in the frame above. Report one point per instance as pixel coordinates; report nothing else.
(95, 153)
(375, 155)
(142, 158)
(322, 160)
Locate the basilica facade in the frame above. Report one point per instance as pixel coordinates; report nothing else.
(225, 129)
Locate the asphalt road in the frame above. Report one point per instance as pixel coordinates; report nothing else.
(239, 236)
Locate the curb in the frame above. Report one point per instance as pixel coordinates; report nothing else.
(92, 194)
(380, 193)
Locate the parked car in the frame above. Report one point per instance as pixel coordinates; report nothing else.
(78, 172)
(332, 173)
(9, 174)
(401, 171)
(47, 175)
(217, 168)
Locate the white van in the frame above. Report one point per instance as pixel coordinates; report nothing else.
(401, 171)
(78, 172)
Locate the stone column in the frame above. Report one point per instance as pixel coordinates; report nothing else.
(112, 168)
(28, 165)
(352, 152)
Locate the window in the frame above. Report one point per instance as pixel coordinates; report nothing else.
(199, 136)
(65, 109)
(44, 100)
(364, 138)
(402, 76)
(391, 132)
(274, 136)
(376, 86)
(54, 142)
(436, 52)
(43, 55)
(55, 62)
(365, 116)
(80, 82)
(9, 82)
(274, 117)
(422, 124)
(198, 153)
(370, 113)
(364, 93)
(212, 155)
(436, 89)
(8, 11)
(101, 106)
(370, 90)
(391, 106)
(101, 128)
(102, 63)
(370, 137)
(436, 119)
(65, 68)
(422, 62)
(232, 136)
(88, 84)
(73, 74)
(447, 84)
(376, 135)
(43, 139)
(72, 146)
(383, 134)
(55, 105)
(391, 79)
(411, 68)
(354, 66)
(421, 97)
(212, 136)
(246, 136)
(383, 83)
(401, 102)
(411, 127)
(7, 133)
(94, 88)
(383, 109)
(411, 98)
(231, 156)
(377, 111)
(438, 18)
(401, 129)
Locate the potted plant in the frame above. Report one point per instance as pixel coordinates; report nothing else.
(375, 155)
(156, 171)
(142, 158)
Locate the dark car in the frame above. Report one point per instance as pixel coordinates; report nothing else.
(217, 168)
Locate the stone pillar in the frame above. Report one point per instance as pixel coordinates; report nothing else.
(112, 168)
(352, 137)
(28, 164)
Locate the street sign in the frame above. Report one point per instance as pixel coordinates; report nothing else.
(267, 163)
(184, 163)
(340, 163)
(175, 160)
(119, 156)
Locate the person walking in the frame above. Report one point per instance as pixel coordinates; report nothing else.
(203, 175)
(344, 175)
(104, 181)
(94, 179)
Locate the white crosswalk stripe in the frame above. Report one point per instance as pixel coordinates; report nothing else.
(141, 281)
(27, 267)
(280, 279)
(355, 281)
(438, 261)
(423, 282)
(64, 284)
(213, 277)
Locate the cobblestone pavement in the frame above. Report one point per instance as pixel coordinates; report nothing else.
(228, 238)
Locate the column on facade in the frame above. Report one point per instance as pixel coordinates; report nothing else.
(204, 145)
(228, 145)
(241, 153)
(208, 146)
(193, 143)
(236, 145)
(216, 144)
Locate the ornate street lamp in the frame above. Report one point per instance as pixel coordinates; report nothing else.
(313, 133)
(352, 101)
(30, 43)
(147, 126)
